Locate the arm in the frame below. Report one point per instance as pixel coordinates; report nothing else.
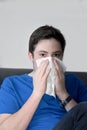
(60, 88)
(21, 119)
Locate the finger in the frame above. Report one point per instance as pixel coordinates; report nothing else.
(58, 68)
(58, 65)
(43, 67)
(45, 76)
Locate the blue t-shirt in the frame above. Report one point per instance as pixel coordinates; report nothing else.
(15, 91)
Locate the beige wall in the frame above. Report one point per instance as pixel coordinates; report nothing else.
(18, 18)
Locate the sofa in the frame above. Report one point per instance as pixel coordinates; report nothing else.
(5, 72)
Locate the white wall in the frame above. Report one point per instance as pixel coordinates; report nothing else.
(18, 18)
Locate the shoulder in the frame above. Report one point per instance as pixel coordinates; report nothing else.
(73, 82)
(18, 77)
(16, 80)
(69, 77)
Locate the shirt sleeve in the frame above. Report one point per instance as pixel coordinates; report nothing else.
(82, 91)
(77, 88)
(8, 100)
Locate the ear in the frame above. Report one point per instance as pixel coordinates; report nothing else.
(30, 56)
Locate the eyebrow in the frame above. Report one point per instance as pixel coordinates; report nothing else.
(43, 51)
(52, 52)
(58, 51)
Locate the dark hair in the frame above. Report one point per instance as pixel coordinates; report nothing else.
(46, 32)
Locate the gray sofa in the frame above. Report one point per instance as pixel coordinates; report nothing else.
(5, 72)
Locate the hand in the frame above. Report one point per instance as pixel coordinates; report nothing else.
(40, 78)
(60, 89)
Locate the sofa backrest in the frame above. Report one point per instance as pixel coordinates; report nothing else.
(5, 72)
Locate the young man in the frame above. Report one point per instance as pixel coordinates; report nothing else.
(24, 104)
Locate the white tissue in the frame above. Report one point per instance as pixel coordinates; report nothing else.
(51, 77)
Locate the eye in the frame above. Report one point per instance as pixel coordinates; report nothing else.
(42, 55)
(57, 55)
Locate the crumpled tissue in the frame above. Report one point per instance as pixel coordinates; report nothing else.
(51, 77)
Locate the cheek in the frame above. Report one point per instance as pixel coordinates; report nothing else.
(35, 56)
(35, 65)
(60, 57)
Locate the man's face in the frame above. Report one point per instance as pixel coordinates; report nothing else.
(46, 48)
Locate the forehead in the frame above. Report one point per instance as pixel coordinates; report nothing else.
(49, 45)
